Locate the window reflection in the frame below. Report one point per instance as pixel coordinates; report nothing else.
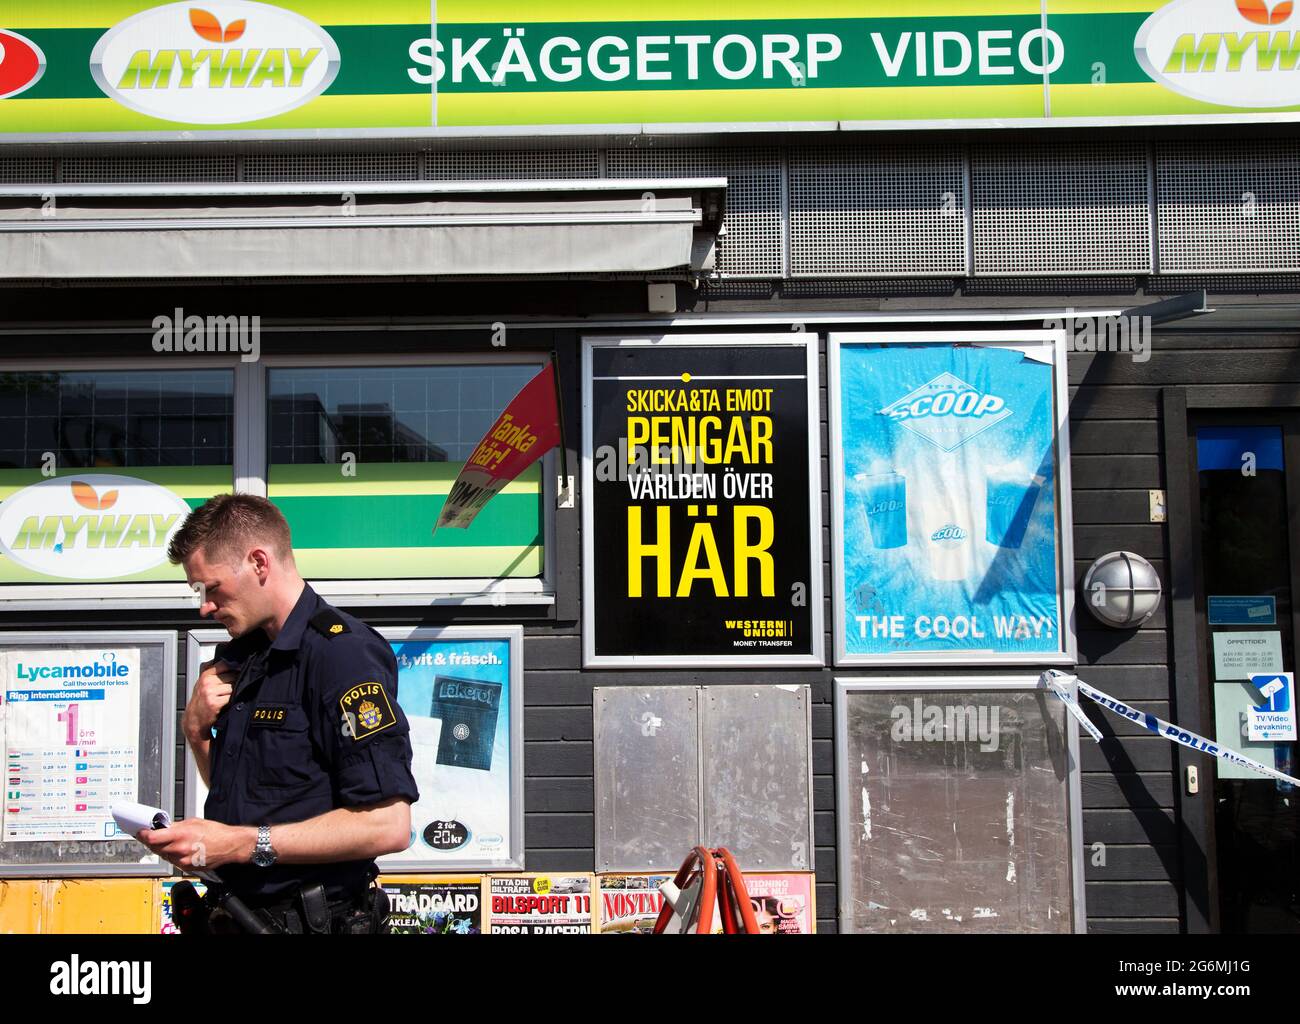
(116, 419)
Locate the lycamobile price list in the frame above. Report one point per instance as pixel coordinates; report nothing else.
(71, 733)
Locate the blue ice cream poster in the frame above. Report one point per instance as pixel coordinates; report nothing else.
(456, 696)
(949, 537)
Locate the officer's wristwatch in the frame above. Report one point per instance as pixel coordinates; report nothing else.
(263, 853)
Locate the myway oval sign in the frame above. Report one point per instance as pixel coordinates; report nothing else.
(218, 62)
(21, 63)
(1235, 53)
(91, 526)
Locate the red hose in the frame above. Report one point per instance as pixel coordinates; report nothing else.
(722, 884)
(739, 891)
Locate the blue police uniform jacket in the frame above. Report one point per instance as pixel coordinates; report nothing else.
(312, 724)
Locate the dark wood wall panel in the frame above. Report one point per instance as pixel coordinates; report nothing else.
(1129, 785)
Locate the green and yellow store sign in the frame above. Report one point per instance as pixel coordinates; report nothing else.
(379, 524)
(107, 67)
(98, 525)
(113, 525)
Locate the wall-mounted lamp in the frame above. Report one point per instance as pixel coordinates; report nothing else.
(1122, 589)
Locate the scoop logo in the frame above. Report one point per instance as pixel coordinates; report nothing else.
(947, 411)
(21, 64)
(90, 527)
(1235, 53)
(219, 62)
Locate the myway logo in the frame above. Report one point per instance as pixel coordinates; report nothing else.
(132, 978)
(92, 526)
(222, 62)
(1235, 53)
(947, 411)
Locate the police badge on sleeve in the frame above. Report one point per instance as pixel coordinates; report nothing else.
(366, 710)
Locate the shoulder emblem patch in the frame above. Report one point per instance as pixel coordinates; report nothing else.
(366, 710)
(329, 623)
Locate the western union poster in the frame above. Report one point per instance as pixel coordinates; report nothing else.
(701, 511)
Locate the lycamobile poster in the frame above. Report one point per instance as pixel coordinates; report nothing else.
(108, 67)
(69, 728)
(702, 519)
(947, 495)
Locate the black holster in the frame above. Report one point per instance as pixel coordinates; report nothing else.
(190, 912)
(217, 912)
(307, 912)
(368, 915)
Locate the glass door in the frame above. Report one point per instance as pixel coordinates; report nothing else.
(1247, 536)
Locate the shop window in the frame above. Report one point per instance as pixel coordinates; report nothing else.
(361, 459)
(98, 467)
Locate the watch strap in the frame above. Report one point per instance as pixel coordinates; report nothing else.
(264, 853)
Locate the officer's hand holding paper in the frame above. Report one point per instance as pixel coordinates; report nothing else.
(134, 818)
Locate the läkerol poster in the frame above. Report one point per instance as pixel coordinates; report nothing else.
(460, 690)
(702, 517)
(947, 456)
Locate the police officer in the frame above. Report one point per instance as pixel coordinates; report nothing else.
(296, 730)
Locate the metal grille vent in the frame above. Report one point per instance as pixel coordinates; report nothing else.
(502, 165)
(1051, 286)
(215, 167)
(1077, 208)
(1227, 284)
(1229, 208)
(22, 170)
(737, 289)
(879, 212)
(807, 288)
(313, 166)
(751, 243)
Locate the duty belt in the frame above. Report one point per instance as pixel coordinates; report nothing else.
(307, 912)
(310, 913)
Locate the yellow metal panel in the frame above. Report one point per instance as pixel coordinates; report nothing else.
(20, 907)
(102, 906)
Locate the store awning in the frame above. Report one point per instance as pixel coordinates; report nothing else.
(441, 229)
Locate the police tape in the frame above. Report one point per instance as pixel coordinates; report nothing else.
(1067, 687)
